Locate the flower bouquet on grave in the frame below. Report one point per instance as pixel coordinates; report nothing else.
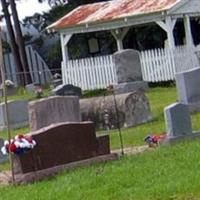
(9, 83)
(39, 91)
(154, 140)
(19, 145)
(10, 86)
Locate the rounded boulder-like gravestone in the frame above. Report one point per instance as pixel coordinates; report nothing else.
(128, 66)
(133, 109)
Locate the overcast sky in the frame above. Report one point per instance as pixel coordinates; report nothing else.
(29, 7)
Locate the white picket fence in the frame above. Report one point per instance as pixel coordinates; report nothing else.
(90, 73)
(38, 68)
(157, 65)
(163, 64)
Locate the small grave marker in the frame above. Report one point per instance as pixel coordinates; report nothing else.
(178, 121)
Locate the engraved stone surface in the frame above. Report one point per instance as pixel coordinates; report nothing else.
(54, 109)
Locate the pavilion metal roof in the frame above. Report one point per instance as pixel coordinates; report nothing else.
(110, 11)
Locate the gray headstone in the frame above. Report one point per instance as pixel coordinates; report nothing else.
(131, 87)
(11, 90)
(177, 119)
(128, 66)
(54, 109)
(18, 114)
(188, 86)
(3, 158)
(30, 87)
(67, 90)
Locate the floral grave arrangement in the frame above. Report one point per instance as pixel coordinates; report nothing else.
(19, 145)
(39, 91)
(9, 83)
(154, 140)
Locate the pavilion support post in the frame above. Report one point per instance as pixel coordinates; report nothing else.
(168, 26)
(119, 35)
(64, 41)
(188, 32)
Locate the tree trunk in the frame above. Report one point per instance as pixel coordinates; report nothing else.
(20, 40)
(13, 44)
(133, 109)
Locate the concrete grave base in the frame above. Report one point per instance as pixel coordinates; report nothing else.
(131, 87)
(171, 140)
(49, 172)
(194, 107)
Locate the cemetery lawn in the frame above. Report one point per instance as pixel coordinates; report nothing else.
(170, 172)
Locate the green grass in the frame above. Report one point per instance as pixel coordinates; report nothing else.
(159, 98)
(169, 172)
(164, 173)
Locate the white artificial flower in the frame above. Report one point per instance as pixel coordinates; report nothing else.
(4, 151)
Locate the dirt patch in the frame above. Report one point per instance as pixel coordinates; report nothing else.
(133, 150)
(5, 178)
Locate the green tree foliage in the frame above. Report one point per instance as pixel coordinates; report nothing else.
(54, 56)
(57, 12)
(82, 2)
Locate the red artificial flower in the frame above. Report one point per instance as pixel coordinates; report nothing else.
(12, 147)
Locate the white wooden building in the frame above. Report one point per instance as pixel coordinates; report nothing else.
(38, 68)
(118, 16)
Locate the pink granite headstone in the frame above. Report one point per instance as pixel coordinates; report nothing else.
(56, 109)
